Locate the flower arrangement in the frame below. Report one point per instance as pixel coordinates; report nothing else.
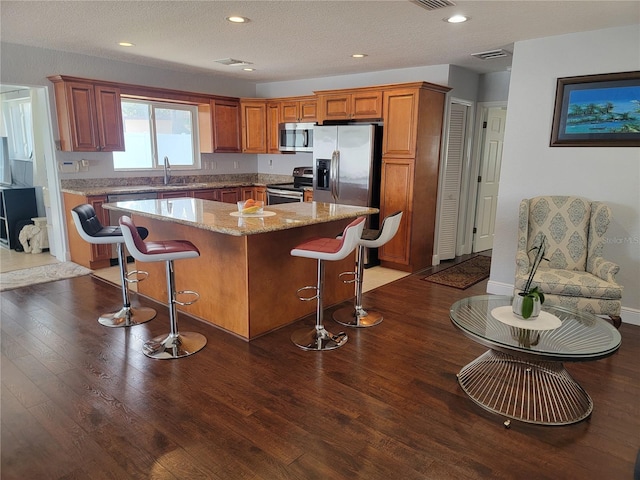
(531, 297)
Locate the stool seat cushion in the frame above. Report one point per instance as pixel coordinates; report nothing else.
(170, 247)
(332, 248)
(92, 231)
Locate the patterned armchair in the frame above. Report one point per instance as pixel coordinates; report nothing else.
(576, 275)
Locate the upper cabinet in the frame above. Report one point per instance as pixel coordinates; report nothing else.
(219, 123)
(89, 116)
(298, 109)
(353, 104)
(254, 125)
(273, 120)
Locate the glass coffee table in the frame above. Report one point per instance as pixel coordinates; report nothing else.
(522, 376)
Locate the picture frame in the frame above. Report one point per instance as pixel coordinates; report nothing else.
(597, 111)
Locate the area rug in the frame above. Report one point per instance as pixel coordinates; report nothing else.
(464, 274)
(41, 274)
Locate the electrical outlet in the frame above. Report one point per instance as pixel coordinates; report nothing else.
(235, 164)
(271, 162)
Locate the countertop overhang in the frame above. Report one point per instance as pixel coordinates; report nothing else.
(217, 216)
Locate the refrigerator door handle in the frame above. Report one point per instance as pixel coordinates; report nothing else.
(336, 184)
(332, 175)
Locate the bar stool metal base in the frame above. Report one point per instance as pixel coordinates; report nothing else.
(318, 339)
(357, 317)
(165, 347)
(127, 317)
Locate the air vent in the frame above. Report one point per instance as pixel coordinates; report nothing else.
(232, 62)
(433, 4)
(488, 55)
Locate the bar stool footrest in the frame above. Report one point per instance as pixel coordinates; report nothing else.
(186, 292)
(165, 347)
(127, 317)
(136, 273)
(309, 287)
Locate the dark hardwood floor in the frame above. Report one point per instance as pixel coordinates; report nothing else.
(80, 401)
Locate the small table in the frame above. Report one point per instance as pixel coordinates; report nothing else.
(522, 376)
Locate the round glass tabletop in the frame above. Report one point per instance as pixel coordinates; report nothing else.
(580, 335)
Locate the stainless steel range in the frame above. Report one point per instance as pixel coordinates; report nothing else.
(291, 192)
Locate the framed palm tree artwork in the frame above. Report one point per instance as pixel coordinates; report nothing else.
(597, 111)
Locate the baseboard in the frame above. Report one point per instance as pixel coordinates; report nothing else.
(629, 315)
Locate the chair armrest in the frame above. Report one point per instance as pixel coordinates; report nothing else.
(605, 269)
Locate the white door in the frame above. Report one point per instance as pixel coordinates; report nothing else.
(489, 179)
(451, 182)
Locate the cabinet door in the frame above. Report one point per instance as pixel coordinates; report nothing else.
(109, 119)
(366, 105)
(335, 107)
(208, 194)
(261, 194)
(247, 193)
(289, 112)
(229, 195)
(273, 121)
(400, 116)
(308, 110)
(396, 193)
(226, 126)
(81, 109)
(254, 131)
(178, 194)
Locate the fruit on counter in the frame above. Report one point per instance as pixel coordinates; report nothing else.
(251, 206)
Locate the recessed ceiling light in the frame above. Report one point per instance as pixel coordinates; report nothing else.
(237, 19)
(125, 44)
(248, 69)
(359, 55)
(456, 19)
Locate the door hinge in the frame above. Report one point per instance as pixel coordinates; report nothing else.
(475, 229)
(479, 178)
(484, 124)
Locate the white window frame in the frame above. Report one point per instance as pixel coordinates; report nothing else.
(158, 164)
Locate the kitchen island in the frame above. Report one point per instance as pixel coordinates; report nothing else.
(245, 275)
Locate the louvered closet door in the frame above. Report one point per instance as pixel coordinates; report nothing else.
(452, 179)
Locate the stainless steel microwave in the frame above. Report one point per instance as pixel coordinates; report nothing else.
(295, 137)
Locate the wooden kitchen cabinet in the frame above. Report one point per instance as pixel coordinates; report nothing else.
(176, 194)
(256, 193)
(220, 126)
(273, 122)
(254, 126)
(299, 109)
(84, 253)
(307, 196)
(413, 118)
(206, 194)
(355, 104)
(229, 195)
(89, 116)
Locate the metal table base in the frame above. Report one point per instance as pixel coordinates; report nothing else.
(538, 392)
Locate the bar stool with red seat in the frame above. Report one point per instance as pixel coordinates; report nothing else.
(174, 344)
(357, 316)
(324, 249)
(91, 230)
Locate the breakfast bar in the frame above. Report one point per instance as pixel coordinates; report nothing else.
(245, 275)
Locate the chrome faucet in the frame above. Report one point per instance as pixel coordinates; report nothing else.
(167, 171)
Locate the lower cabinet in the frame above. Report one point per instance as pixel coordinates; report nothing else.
(178, 194)
(396, 194)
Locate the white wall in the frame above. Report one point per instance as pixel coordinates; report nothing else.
(530, 167)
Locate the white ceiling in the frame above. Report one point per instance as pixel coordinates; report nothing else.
(287, 40)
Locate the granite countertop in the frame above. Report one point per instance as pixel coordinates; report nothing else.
(115, 186)
(221, 217)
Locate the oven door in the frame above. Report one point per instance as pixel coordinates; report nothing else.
(276, 196)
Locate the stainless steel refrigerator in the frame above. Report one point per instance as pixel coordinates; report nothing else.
(346, 167)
